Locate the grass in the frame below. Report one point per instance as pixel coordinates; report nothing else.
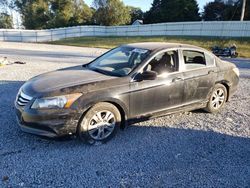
(243, 44)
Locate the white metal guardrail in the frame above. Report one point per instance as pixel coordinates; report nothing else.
(209, 29)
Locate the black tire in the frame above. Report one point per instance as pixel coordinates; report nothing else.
(103, 127)
(217, 99)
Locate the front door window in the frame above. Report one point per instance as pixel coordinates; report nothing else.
(165, 62)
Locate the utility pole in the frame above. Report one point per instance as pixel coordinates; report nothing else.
(243, 10)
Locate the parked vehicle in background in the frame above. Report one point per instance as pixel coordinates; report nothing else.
(225, 52)
(127, 84)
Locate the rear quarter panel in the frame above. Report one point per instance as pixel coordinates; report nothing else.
(227, 76)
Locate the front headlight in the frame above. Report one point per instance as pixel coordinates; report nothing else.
(64, 101)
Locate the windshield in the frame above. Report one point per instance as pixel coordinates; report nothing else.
(119, 61)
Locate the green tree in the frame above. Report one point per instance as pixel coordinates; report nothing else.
(234, 11)
(111, 12)
(214, 11)
(247, 11)
(6, 21)
(225, 10)
(61, 12)
(82, 14)
(172, 11)
(44, 14)
(35, 13)
(135, 13)
(4, 3)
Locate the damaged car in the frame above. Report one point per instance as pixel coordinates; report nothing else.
(128, 84)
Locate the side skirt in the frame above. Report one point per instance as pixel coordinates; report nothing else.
(166, 112)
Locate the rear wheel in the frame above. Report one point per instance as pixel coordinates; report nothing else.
(234, 55)
(217, 99)
(99, 124)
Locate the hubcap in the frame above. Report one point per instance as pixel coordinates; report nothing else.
(218, 98)
(101, 125)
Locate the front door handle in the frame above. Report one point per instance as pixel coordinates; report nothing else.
(211, 71)
(176, 79)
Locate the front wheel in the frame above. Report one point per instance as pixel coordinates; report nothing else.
(99, 124)
(217, 99)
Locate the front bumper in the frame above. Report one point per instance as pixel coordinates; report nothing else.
(50, 123)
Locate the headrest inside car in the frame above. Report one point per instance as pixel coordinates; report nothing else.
(199, 60)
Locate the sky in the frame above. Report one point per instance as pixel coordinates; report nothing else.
(146, 4)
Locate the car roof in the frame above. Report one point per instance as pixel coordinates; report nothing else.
(155, 46)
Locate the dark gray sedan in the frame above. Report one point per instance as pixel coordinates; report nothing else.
(127, 84)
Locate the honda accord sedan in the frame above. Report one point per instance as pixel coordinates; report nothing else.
(127, 84)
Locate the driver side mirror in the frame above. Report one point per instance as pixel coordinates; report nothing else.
(146, 75)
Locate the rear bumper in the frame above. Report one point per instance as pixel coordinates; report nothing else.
(49, 123)
(233, 87)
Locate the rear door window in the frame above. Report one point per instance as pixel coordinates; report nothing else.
(194, 59)
(210, 59)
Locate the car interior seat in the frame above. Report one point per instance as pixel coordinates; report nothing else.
(199, 60)
(163, 65)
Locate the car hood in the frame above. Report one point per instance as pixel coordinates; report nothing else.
(60, 79)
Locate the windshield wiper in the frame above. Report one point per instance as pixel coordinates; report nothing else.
(85, 66)
(109, 73)
(99, 70)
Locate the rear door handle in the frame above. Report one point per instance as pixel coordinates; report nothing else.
(176, 79)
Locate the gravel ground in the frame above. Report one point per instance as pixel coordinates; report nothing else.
(190, 149)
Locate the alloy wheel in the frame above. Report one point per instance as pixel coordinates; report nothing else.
(218, 98)
(101, 125)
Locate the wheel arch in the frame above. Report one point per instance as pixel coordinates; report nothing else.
(117, 103)
(122, 111)
(227, 86)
